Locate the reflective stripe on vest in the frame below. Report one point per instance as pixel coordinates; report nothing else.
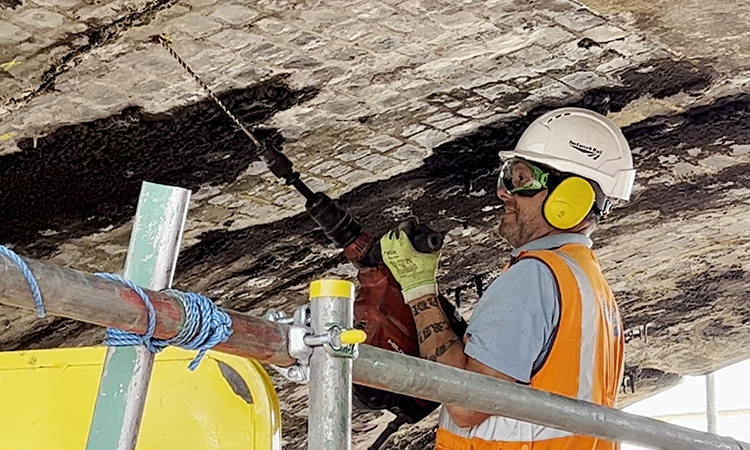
(585, 361)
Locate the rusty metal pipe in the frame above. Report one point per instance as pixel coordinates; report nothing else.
(87, 298)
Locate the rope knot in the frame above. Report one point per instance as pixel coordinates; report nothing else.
(204, 325)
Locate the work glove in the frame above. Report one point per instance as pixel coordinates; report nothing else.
(414, 271)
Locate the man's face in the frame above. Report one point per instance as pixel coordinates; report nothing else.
(522, 220)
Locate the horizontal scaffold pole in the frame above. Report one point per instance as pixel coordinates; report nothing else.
(88, 298)
(77, 295)
(383, 369)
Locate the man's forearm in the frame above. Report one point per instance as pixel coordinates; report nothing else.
(437, 341)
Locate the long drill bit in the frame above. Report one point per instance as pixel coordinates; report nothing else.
(166, 42)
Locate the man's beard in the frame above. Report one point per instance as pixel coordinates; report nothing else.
(519, 231)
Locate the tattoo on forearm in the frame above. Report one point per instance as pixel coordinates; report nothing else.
(440, 351)
(435, 328)
(424, 305)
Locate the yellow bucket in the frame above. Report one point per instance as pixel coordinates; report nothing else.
(228, 402)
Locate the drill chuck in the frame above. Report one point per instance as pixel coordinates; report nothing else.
(336, 223)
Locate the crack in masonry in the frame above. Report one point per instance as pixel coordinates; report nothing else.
(95, 37)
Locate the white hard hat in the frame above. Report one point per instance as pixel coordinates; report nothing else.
(583, 143)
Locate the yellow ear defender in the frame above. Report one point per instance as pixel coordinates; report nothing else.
(569, 203)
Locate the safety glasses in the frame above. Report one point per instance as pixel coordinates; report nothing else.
(521, 177)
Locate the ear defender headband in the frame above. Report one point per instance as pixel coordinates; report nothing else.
(568, 203)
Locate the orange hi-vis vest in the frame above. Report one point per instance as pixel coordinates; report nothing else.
(585, 361)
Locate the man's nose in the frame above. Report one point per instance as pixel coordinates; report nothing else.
(503, 194)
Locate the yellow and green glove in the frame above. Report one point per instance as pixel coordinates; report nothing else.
(414, 271)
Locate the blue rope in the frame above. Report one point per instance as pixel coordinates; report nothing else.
(35, 292)
(118, 338)
(204, 325)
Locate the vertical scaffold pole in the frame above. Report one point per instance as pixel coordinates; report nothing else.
(712, 412)
(150, 263)
(330, 398)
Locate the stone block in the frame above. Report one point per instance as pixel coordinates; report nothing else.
(550, 90)
(357, 176)
(470, 80)
(496, 91)
(195, 25)
(345, 108)
(103, 96)
(605, 33)
(338, 171)
(411, 130)
(579, 20)
(476, 112)
(196, 4)
(369, 10)
(410, 152)
(317, 185)
(390, 99)
(453, 19)
(463, 130)
(300, 62)
(234, 14)
(265, 51)
(324, 167)
(11, 34)
(382, 143)
(381, 43)
(376, 163)
(553, 36)
(354, 155)
(430, 138)
(41, 18)
(99, 13)
(585, 80)
(444, 120)
(259, 210)
(508, 43)
(235, 39)
(308, 41)
(291, 200)
(351, 30)
(532, 55)
(576, 53)
(553, 64)
(630, 46)
(437, 70)
(273, 26)
(399, 22)
(613, 65)
(57, 3)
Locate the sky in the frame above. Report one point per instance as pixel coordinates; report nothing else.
(732, 394)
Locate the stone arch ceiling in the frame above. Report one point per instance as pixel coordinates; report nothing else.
(395, 107)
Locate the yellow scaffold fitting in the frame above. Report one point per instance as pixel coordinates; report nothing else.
(353, 336)
(331, 288)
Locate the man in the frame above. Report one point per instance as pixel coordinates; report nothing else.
(550, 320)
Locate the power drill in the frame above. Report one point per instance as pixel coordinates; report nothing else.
(379, 307)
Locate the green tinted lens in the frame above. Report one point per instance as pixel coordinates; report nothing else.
(518, 176)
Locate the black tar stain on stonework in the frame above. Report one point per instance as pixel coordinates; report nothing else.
(82, 178)
(444, 177)
(10, 4)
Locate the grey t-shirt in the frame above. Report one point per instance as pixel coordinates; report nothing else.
(513, 326)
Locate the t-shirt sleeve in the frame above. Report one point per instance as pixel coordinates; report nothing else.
(515, 320)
